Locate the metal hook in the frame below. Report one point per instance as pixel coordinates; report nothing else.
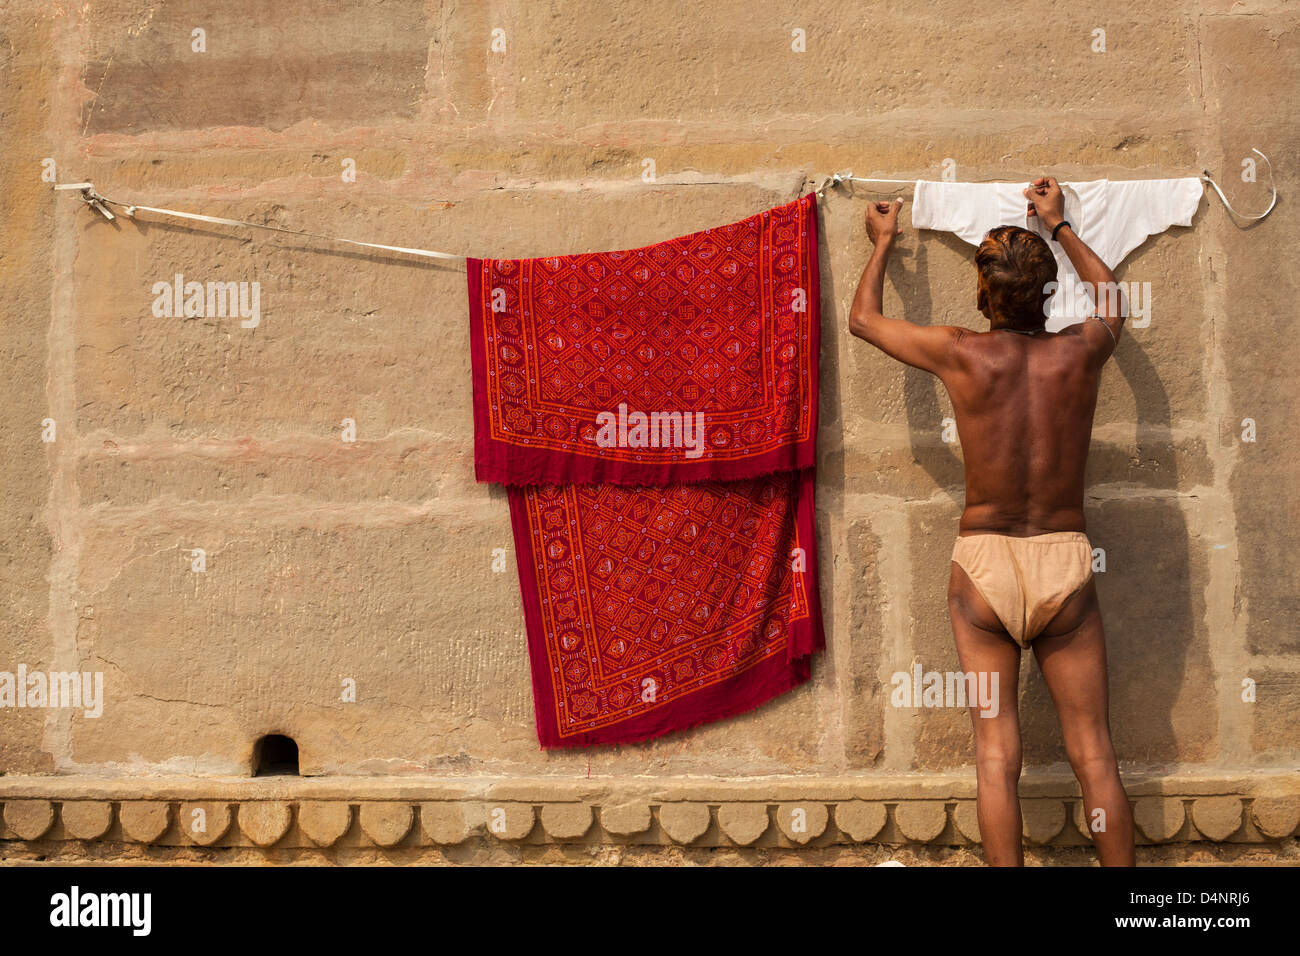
(97, 202)
(91, 198)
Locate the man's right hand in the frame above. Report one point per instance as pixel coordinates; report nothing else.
(1046, 201)
(882, 221)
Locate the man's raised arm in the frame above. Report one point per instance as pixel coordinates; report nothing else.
(925, 347)
(1047, 202)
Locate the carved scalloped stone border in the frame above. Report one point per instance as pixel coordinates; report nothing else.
(777, 812)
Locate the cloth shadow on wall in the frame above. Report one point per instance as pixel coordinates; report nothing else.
(830, 458)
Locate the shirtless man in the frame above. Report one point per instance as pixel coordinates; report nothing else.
(1022, 565)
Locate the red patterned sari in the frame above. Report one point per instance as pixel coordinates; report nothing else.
(667, 561)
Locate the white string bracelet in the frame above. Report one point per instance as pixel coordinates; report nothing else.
(1106, 325)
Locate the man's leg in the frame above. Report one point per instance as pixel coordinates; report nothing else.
(1072, 653)
(984, 647)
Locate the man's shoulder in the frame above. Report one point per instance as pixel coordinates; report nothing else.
(1070, 333)
(1083, 339)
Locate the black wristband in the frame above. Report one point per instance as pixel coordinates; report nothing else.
(1063, 222)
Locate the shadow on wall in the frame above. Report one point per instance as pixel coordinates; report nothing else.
(830, 467)
(1146, 599)
(921, 389)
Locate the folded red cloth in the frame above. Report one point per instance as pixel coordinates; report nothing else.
(721, 324)
(655, 609)
(654, 412)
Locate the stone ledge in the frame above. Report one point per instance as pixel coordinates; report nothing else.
(786, 812)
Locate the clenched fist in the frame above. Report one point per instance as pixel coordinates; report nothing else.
(1046, 201)
(882, 221)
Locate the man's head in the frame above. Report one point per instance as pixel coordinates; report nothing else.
(1015, 267)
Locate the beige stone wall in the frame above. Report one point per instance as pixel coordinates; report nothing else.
(373, 560)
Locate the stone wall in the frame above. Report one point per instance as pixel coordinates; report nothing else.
(373, 560)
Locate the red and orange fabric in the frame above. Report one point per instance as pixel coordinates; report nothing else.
(661, 588)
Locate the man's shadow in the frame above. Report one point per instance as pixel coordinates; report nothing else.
(924, 398)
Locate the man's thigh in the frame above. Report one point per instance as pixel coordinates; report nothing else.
(984, 647)
(1071, 653)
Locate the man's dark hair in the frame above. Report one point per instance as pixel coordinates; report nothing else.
(1016, 266)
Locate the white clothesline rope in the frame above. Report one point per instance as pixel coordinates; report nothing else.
(100, 204)
(847, 177)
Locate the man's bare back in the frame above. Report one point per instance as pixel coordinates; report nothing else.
(1024, 407)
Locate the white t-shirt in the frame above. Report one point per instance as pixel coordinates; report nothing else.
(1113, 218)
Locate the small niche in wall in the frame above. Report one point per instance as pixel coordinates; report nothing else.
(275, 755)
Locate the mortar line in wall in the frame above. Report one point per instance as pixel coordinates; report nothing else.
(1228, 659)
(1200, 65)
(62, 508)
(102, 443)
(839, 649)
(275, 510)
(633, 138)
(1132, 491)
(898, 724)
(899, 435)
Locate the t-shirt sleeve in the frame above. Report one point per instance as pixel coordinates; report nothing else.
(1139, 208)
(967, 209)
